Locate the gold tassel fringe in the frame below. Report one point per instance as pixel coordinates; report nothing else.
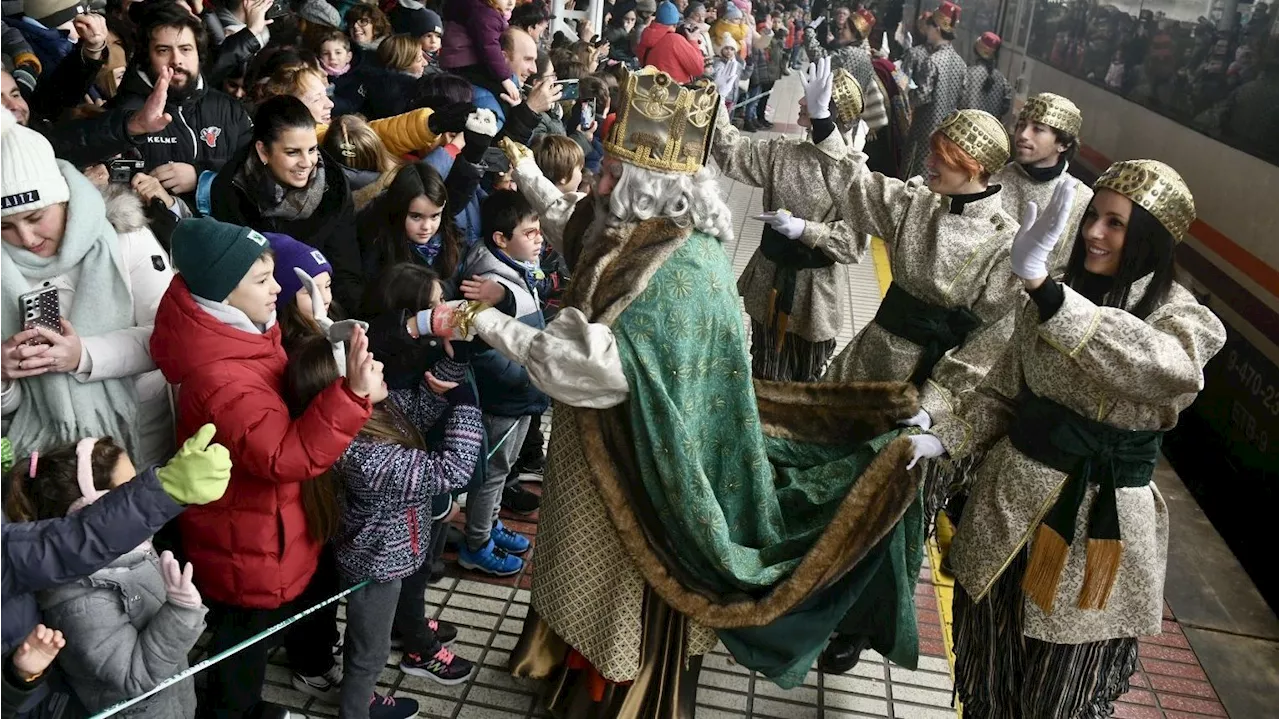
(1044, 569)
(1102, 563)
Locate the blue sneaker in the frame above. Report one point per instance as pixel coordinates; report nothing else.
(507, 540)
(490, 560)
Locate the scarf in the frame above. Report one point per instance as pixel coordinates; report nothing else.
(277, 201)
(429, 251)
(531, 270)
(335, 70)
(56, 407)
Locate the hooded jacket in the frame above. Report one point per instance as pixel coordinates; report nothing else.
(669, 51)
(252, 546)
(124, 637)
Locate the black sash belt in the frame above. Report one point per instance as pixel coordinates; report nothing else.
(936, 329)
(1088, 452)
(789, 256)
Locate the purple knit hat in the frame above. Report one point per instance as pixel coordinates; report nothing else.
(291, 253)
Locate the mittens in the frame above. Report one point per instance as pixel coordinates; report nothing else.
(199, 472)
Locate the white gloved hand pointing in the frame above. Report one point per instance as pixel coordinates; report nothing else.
(787, 224)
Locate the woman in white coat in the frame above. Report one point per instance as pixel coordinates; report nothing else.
(95, 377)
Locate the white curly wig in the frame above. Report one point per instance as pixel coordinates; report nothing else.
(687, 200)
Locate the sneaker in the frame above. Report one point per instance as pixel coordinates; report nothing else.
(764, 124)
(389, 708)
(520, 500)
(532, 465)
(445, 633)
(325, 687)
(507, 540)
(490, 560)
(443, 667)
(750, 125)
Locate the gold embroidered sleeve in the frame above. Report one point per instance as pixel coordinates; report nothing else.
(742, 158)
(868, 201)
(962, 368)
(837, 240)
(1152, 360)
(984, 413)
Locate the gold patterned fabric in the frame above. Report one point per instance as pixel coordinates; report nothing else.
(980, 135)
(1109, 366)
(661, 124)
(1053, 110)
(946, 259)
(1157, 188)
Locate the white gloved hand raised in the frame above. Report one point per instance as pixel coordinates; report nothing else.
(337, 332)
(924, 446)
(787, 224)
(817, 88)
(1040, 232)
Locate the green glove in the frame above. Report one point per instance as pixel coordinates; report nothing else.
(199, 472)
(6, 455)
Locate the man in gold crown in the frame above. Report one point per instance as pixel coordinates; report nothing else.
(794, 287)
(1045, 140)
(939, 80)
(682, 503)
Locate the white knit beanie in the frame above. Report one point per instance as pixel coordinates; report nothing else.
(29, 174)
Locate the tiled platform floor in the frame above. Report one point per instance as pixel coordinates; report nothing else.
(1170, 683)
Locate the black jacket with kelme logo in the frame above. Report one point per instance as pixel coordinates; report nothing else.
(208, 128)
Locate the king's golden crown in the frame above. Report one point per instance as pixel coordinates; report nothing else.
(662, 125)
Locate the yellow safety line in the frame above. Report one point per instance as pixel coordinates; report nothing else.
(943, 585)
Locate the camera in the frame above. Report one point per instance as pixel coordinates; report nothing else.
(123, 170)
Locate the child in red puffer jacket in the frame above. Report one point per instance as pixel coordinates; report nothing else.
(216, 338)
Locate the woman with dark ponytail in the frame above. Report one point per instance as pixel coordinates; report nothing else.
(1049, 604)
(985, 87)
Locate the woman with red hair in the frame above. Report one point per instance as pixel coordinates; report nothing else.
(949, 311)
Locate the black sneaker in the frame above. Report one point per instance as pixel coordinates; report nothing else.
(445, 633)
(443, 667)
(764, 124)
(532, 465)
(520, 500)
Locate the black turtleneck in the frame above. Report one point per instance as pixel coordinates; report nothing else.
(822, 128)
(959, 201)
(1049, 295)
(1044, 174)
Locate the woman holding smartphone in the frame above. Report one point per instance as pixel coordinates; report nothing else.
(88, 261)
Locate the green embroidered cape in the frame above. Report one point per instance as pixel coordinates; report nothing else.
(747, 512)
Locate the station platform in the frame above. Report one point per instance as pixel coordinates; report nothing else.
(1217, 655)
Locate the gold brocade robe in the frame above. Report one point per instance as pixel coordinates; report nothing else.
(789, 173)
(1017, 189)
(951, 260)
(1110, 366)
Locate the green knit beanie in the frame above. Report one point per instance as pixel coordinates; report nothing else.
(214, 256)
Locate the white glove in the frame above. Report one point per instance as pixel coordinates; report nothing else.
(787, 224)
(817, 88)
(860, 136)
(1039, 233)
(814, 23)
(920, 419)
(924, 446)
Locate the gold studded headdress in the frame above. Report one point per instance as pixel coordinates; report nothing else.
(1155, 187)
(980, 135)
(846, 94)
(1053, 110)
(662, 125)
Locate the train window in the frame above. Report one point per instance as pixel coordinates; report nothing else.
(1217, 77)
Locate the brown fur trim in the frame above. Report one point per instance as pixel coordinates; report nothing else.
(864, 517)
(616, 264)
(832, 413)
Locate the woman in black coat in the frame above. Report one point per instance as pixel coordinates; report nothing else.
(283, 182)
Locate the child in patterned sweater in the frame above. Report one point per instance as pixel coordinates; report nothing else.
(389, 474)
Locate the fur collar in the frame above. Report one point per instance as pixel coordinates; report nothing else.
(124, 208)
